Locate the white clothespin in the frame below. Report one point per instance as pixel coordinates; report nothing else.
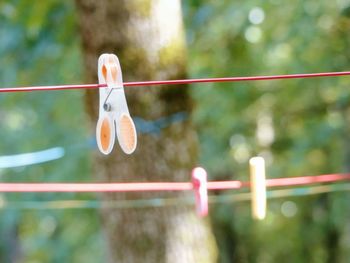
(114, 118)
(258, 187)
(199, 181)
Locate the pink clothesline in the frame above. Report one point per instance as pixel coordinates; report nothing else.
(164, 186)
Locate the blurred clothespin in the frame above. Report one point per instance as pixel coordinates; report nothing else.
(258, 187)
(114, 118)
(199, 181)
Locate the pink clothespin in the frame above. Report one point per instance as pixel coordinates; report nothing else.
(114, 118)
(199, 181)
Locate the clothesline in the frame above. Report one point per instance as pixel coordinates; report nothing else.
(164, 186)
(164, 202)
(179, 81)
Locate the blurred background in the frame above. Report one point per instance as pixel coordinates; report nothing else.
(300, 127)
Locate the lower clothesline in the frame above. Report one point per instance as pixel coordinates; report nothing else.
(164, 202)
(199, 186)
(164, 186)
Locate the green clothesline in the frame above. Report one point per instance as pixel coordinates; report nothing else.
(162, 202)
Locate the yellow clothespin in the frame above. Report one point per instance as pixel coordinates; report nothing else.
(258, 187)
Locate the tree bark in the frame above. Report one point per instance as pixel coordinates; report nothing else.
(147, 36)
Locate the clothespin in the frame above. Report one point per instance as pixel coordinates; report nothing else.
(258, 187)
(114, 118)
(199, 181)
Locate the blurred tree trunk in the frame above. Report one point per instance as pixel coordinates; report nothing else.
(147, 36)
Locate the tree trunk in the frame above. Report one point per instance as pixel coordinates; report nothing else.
(147, 36)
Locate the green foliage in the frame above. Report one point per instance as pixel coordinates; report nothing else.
(299, 126)
(39, 45)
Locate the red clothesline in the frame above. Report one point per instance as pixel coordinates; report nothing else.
(163, 186)
(179, 81)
